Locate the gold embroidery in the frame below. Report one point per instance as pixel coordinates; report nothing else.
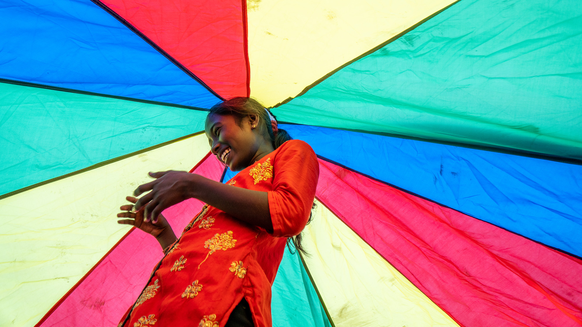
(175, 247)
(200, 215)
(232, 182)
(238, 269)
(148, 293)
(206, 223)
(208, 321)
(192, 290)
(222, 241)
(262, 172)
(179, 264)
(171, 248)
(145, 321)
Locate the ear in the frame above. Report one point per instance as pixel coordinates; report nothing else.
(254, 120)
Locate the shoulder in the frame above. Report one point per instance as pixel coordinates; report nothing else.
(296, 146)
(295, 153)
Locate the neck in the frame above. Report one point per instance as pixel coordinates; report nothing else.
(265, 148)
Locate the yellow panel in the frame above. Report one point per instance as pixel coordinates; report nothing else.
(292, 44)
(53, 234)
(357, 285)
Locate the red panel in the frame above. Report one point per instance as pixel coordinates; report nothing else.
(479, 274)
(206, 37)
(110, 288)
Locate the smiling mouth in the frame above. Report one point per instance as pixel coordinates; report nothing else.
(224, 155)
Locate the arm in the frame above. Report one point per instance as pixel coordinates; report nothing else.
(172, 187)
(249, 206)
(283, 211)
(294, 185)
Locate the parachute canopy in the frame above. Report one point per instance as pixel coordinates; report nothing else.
(449, 136)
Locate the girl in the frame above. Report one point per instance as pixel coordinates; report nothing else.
(219, 272)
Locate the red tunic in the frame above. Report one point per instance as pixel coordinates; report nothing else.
(218, 260)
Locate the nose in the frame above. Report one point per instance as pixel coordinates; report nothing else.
(215, 147)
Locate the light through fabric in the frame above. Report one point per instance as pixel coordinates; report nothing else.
(448, 136)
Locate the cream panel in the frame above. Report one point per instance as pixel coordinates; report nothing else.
(292, 44)
(53, 234)
(357, 285)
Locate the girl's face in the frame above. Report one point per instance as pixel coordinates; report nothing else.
(236, 145)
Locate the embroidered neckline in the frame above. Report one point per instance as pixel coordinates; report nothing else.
(262, 171)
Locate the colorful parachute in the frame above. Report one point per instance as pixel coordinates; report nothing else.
(449, 137)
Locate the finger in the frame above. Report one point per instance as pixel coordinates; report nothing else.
(131, 199)
(126, 214)
(143, 201)
(149, 208)
(144, 188)
(158, 174)
(126, 207)
(126, 222)
(156, 212)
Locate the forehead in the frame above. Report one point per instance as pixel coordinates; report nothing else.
(211, 120)
(219, 120)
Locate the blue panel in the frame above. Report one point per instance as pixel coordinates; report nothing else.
(229, 174)
(76, 44)
(539, 199)
(294, 301)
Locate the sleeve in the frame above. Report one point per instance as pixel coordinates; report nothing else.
(295, 175)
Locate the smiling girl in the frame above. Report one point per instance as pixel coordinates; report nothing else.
(220, 271)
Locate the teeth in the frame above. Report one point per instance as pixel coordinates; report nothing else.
(224, 155)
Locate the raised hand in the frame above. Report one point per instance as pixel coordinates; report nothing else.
(168, 188)
(136, 219)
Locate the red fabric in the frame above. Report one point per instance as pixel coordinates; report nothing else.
(103, 295)
(289, 175)
(479, 274)
(207, 37)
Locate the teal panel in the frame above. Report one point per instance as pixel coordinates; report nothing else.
(295, 302)
(46, 133)
(495, 73)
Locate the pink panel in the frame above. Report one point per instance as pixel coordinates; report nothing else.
(479, 274)
(111, 287)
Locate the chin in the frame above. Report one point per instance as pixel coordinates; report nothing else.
(237, 165)
(234, 167)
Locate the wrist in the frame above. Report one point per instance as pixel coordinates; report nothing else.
(194, 186)
(166, 237)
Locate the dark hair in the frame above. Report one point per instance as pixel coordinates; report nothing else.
(241, 107)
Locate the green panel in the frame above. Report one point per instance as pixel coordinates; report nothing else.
(491, 72)
(295, 301)
(47, 133)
